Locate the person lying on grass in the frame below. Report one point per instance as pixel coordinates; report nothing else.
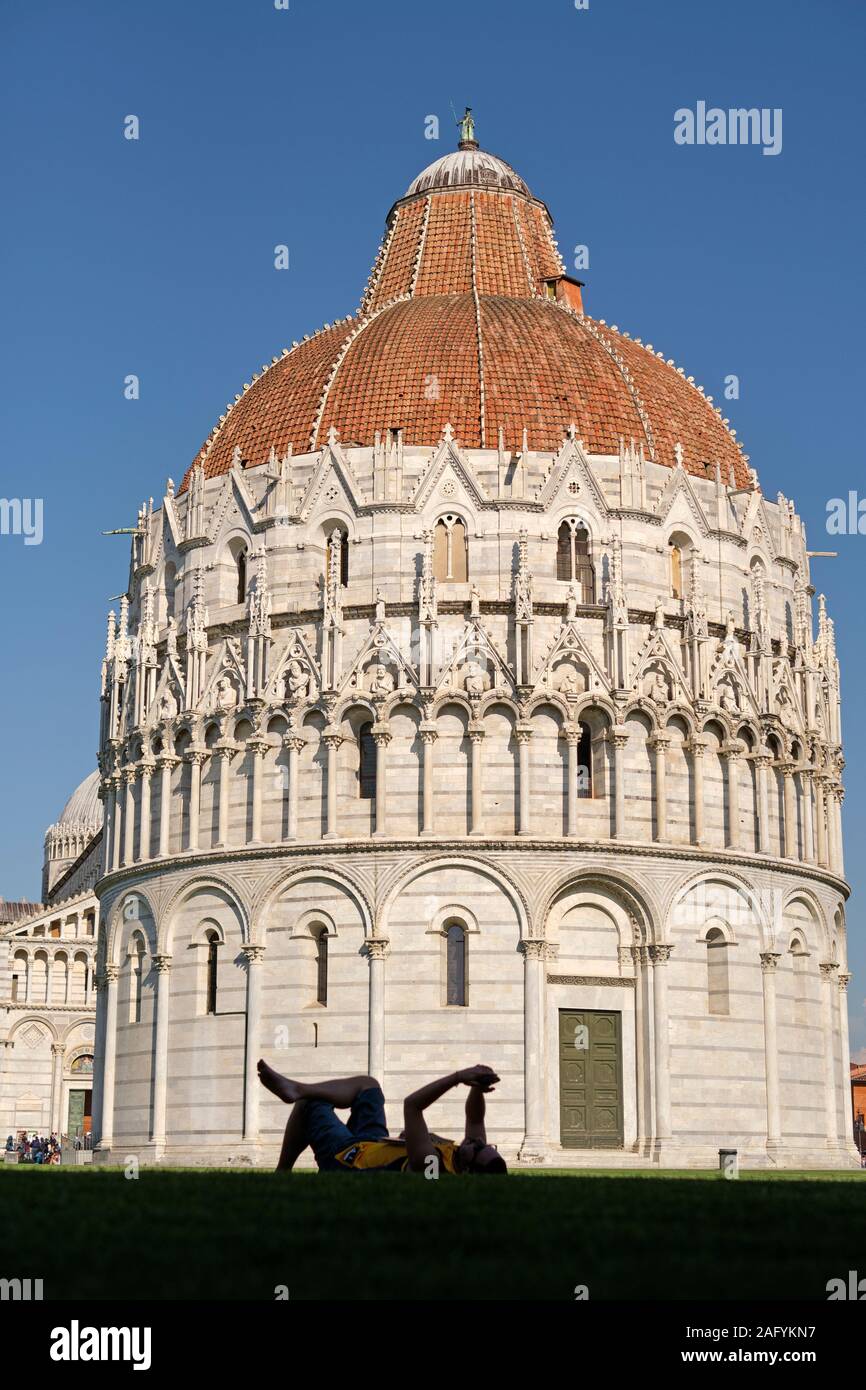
(362, 1145)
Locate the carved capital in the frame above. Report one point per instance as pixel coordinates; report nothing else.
(828, 969)
(844, 981)
(533, 948)
(161, 963)
(376, 947)
(58, 1049)
(769, 961)
(253, 953)
(660, 953)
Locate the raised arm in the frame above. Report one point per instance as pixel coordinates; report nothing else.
(419, 1142)
(476, 1107)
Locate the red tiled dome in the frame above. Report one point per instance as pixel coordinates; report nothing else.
(458, 326)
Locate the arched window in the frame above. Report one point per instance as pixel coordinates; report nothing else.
(321, 938)
(584, 762)
(677, 590)
(366, 763)
(241, 565)
(83, 1064)
(800, 962)
(136, 977)
(344, 553)
(574, 558)
(213, 943)
(450, 552)
(718, 995)
(455, 964)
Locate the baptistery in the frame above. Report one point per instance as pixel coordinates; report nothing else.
(468, 703)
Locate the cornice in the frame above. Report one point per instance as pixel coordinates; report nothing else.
(518, 845)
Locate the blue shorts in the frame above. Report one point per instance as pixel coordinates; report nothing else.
(328, 1135)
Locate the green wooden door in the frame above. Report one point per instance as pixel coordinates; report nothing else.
(590, 1079)
(76, 1113)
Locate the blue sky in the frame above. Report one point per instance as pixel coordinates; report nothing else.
(262, 126)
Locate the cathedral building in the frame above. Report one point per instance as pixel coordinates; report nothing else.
(469, 702)
(48, 981)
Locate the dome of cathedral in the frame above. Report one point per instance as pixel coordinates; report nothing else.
(470, 320)
(468, 168)
(84, 806)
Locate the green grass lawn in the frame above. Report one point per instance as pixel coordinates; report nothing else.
(92, 1233)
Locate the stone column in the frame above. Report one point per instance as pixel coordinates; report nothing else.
(838, 798)
(660, 742)
(377, 949)
(769, 961)
(832, 847)
(532, 1147)
(106, 1137)
(195, 757)
(293, 743)
(223, 750)
(253, 955)
(165, 762)
(763, 762)
(639, 956)
(618, 741)
(846, 1130)
(572, 737)
(162, 966)
(429, 736)
(258, 748)
(660, 955)
(129, 776)
(98, 1058)
(808, 819)
(697, 747)
(830, 990)
(332, 741)
(476, 738)
(109, 827)
(57, 1051)
(523, 733)
(731, 752)
(819, 781)
(789, 843)
(381, 737)
(116, 825)
(144, 810)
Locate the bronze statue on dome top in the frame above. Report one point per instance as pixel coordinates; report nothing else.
(466, 126)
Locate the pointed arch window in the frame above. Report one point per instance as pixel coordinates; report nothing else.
(343, 543)
(676, 562)
(584, 762)
(574, 558)
(718, 992)
(170, 578)
(241, 565)
(450, 550)
(455, 964)
(213, 943)
(366, 763)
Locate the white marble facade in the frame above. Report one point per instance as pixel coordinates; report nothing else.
(576, 705)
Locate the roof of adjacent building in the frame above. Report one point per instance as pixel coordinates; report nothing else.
(17, 911)
(457, 327)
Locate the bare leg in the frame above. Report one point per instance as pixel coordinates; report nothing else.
(294, 1139)
(340, 1092)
